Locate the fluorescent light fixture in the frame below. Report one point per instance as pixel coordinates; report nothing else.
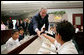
(9, 2)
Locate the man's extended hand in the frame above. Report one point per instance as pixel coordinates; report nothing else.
(44, 35)
(38, 33)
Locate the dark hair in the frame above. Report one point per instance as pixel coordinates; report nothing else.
(66, 30)
(15, 30)
(20, 29)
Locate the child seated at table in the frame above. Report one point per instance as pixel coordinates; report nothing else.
(13, 42)
(21, 33)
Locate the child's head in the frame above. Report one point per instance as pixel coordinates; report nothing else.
(21, 31)
(65, 30)
(15, 34)
(52, 28)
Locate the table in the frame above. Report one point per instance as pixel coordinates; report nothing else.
(35, 46)
(24, 43)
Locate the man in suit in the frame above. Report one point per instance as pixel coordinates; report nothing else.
(20, 24)
(7, 23)
(10, 24)
(17, 24)
(38, 21)
(25, 25)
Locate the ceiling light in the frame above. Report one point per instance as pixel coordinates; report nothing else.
(9, 2)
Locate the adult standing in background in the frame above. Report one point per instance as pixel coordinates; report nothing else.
(3, 27)
(10, 24)
(76, 29)
(7, 23)
(17, 24)
(20, 24)
(25, 25)
(81, 29)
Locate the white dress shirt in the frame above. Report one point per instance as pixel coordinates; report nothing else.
(11, 43)
(76, 30)
(3, 27)
(66, 48)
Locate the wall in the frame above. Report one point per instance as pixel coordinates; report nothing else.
(69, 12)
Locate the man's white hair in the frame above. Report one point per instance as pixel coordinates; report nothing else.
(43, 8)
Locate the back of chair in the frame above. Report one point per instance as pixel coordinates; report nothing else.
(76, 45)
(5, 35)
(79, 39)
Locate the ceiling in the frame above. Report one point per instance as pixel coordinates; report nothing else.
(15, 8)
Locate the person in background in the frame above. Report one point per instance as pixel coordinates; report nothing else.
(3, 27)
(17, 24)
(28, 21)
(13, 42)
(30, 18)
(38, 21)
(7, 23)
(76, 29)
(25, 25)
(63, 39)
(10, 24)
(21, 23)
(81, 28)
(21, 33)
(52, 30)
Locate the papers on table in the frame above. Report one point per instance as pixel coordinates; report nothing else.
(47, 49)
(3, 47)
(43, 51)
(46, 45)
(26, 38)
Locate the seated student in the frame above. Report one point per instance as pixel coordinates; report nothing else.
(13, 42)
(63, 38)
(21, 33)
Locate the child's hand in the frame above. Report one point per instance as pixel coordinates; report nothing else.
(44, 34)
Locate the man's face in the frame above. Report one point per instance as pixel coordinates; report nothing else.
(43, 13)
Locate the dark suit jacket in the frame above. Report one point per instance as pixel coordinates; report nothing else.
(17, 26)
(24, 25)
(38, 22)
(11, 25)
(21, 25)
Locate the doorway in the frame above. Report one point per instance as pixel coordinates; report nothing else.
(78, 20)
